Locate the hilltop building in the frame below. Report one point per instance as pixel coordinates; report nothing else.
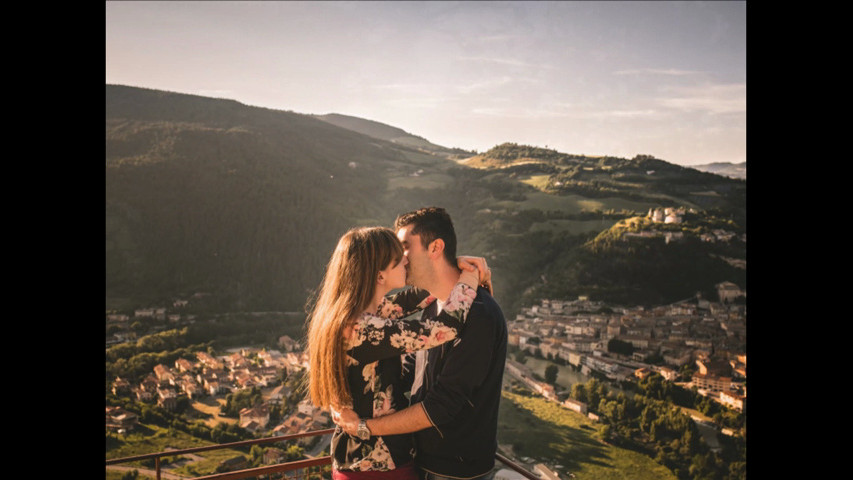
(666, 215)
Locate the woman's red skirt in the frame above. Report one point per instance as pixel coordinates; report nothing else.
(403, 472)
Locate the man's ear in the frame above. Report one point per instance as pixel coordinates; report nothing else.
(436, 248)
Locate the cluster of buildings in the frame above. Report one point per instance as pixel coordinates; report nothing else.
(208, 375)
(675, 216)
(119, 324)
(708, 335)
(666, 215)
(714, 236)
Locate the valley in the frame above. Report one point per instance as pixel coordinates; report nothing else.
(214, 208)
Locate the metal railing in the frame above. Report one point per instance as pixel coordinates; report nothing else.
(282, 467)
(322, 464)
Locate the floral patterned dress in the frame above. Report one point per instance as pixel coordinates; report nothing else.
(376, 374)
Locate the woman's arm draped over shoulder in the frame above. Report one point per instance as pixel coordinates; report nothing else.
(406, 302)
(376, 337)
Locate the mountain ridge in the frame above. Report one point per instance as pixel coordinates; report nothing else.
(392, 134)
(727, 169)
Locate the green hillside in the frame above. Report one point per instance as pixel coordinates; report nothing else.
(244, 204)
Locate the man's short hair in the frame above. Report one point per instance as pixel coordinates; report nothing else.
(431, 223)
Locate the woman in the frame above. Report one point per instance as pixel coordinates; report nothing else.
(356, 338)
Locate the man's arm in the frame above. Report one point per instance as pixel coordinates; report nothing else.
(467, 365)
(410, 419)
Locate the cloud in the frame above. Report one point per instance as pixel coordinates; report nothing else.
(406, 87)
(511, 62)
(627, 114)
(658, 71)
(498, 38)
(491, 84)
(564, 110)
(617, 114)
(428, 102)
(715, 99)
(518, 113)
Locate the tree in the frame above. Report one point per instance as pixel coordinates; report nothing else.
(131, 475)
(257, 454)
(619, 346)
(551, 374)
(579, 392)
(595, 391)
(605, 431)
(294, 452)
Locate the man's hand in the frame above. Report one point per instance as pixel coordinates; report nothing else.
(477, 264)
(408, 420)
(347, 419)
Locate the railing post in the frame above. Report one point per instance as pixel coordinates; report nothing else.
(157, 466)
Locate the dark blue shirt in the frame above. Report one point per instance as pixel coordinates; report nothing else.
(461, 395)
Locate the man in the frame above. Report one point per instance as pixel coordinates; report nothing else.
(457, 386)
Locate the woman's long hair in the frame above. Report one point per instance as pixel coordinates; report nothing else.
(346, 292)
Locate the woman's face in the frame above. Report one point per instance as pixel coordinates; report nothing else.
(395, 275)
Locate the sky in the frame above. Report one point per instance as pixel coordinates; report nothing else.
(660, 78)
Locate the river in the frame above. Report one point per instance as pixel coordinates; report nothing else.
(566, 376)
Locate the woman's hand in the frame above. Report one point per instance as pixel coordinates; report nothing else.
(346, 418)
(477, 265)
(470, 278)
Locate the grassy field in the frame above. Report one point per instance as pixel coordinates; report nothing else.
(574, 203)
(572, 226)
(425, 180)
(546, 432)
(539, 181)
(210, 406)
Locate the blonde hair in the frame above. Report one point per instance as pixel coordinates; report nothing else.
(346, 291)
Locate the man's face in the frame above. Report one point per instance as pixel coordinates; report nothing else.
(419, 263)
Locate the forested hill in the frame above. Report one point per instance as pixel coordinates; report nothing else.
(242, 206)
(211, 196)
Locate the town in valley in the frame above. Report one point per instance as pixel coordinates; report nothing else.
(697, 343)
